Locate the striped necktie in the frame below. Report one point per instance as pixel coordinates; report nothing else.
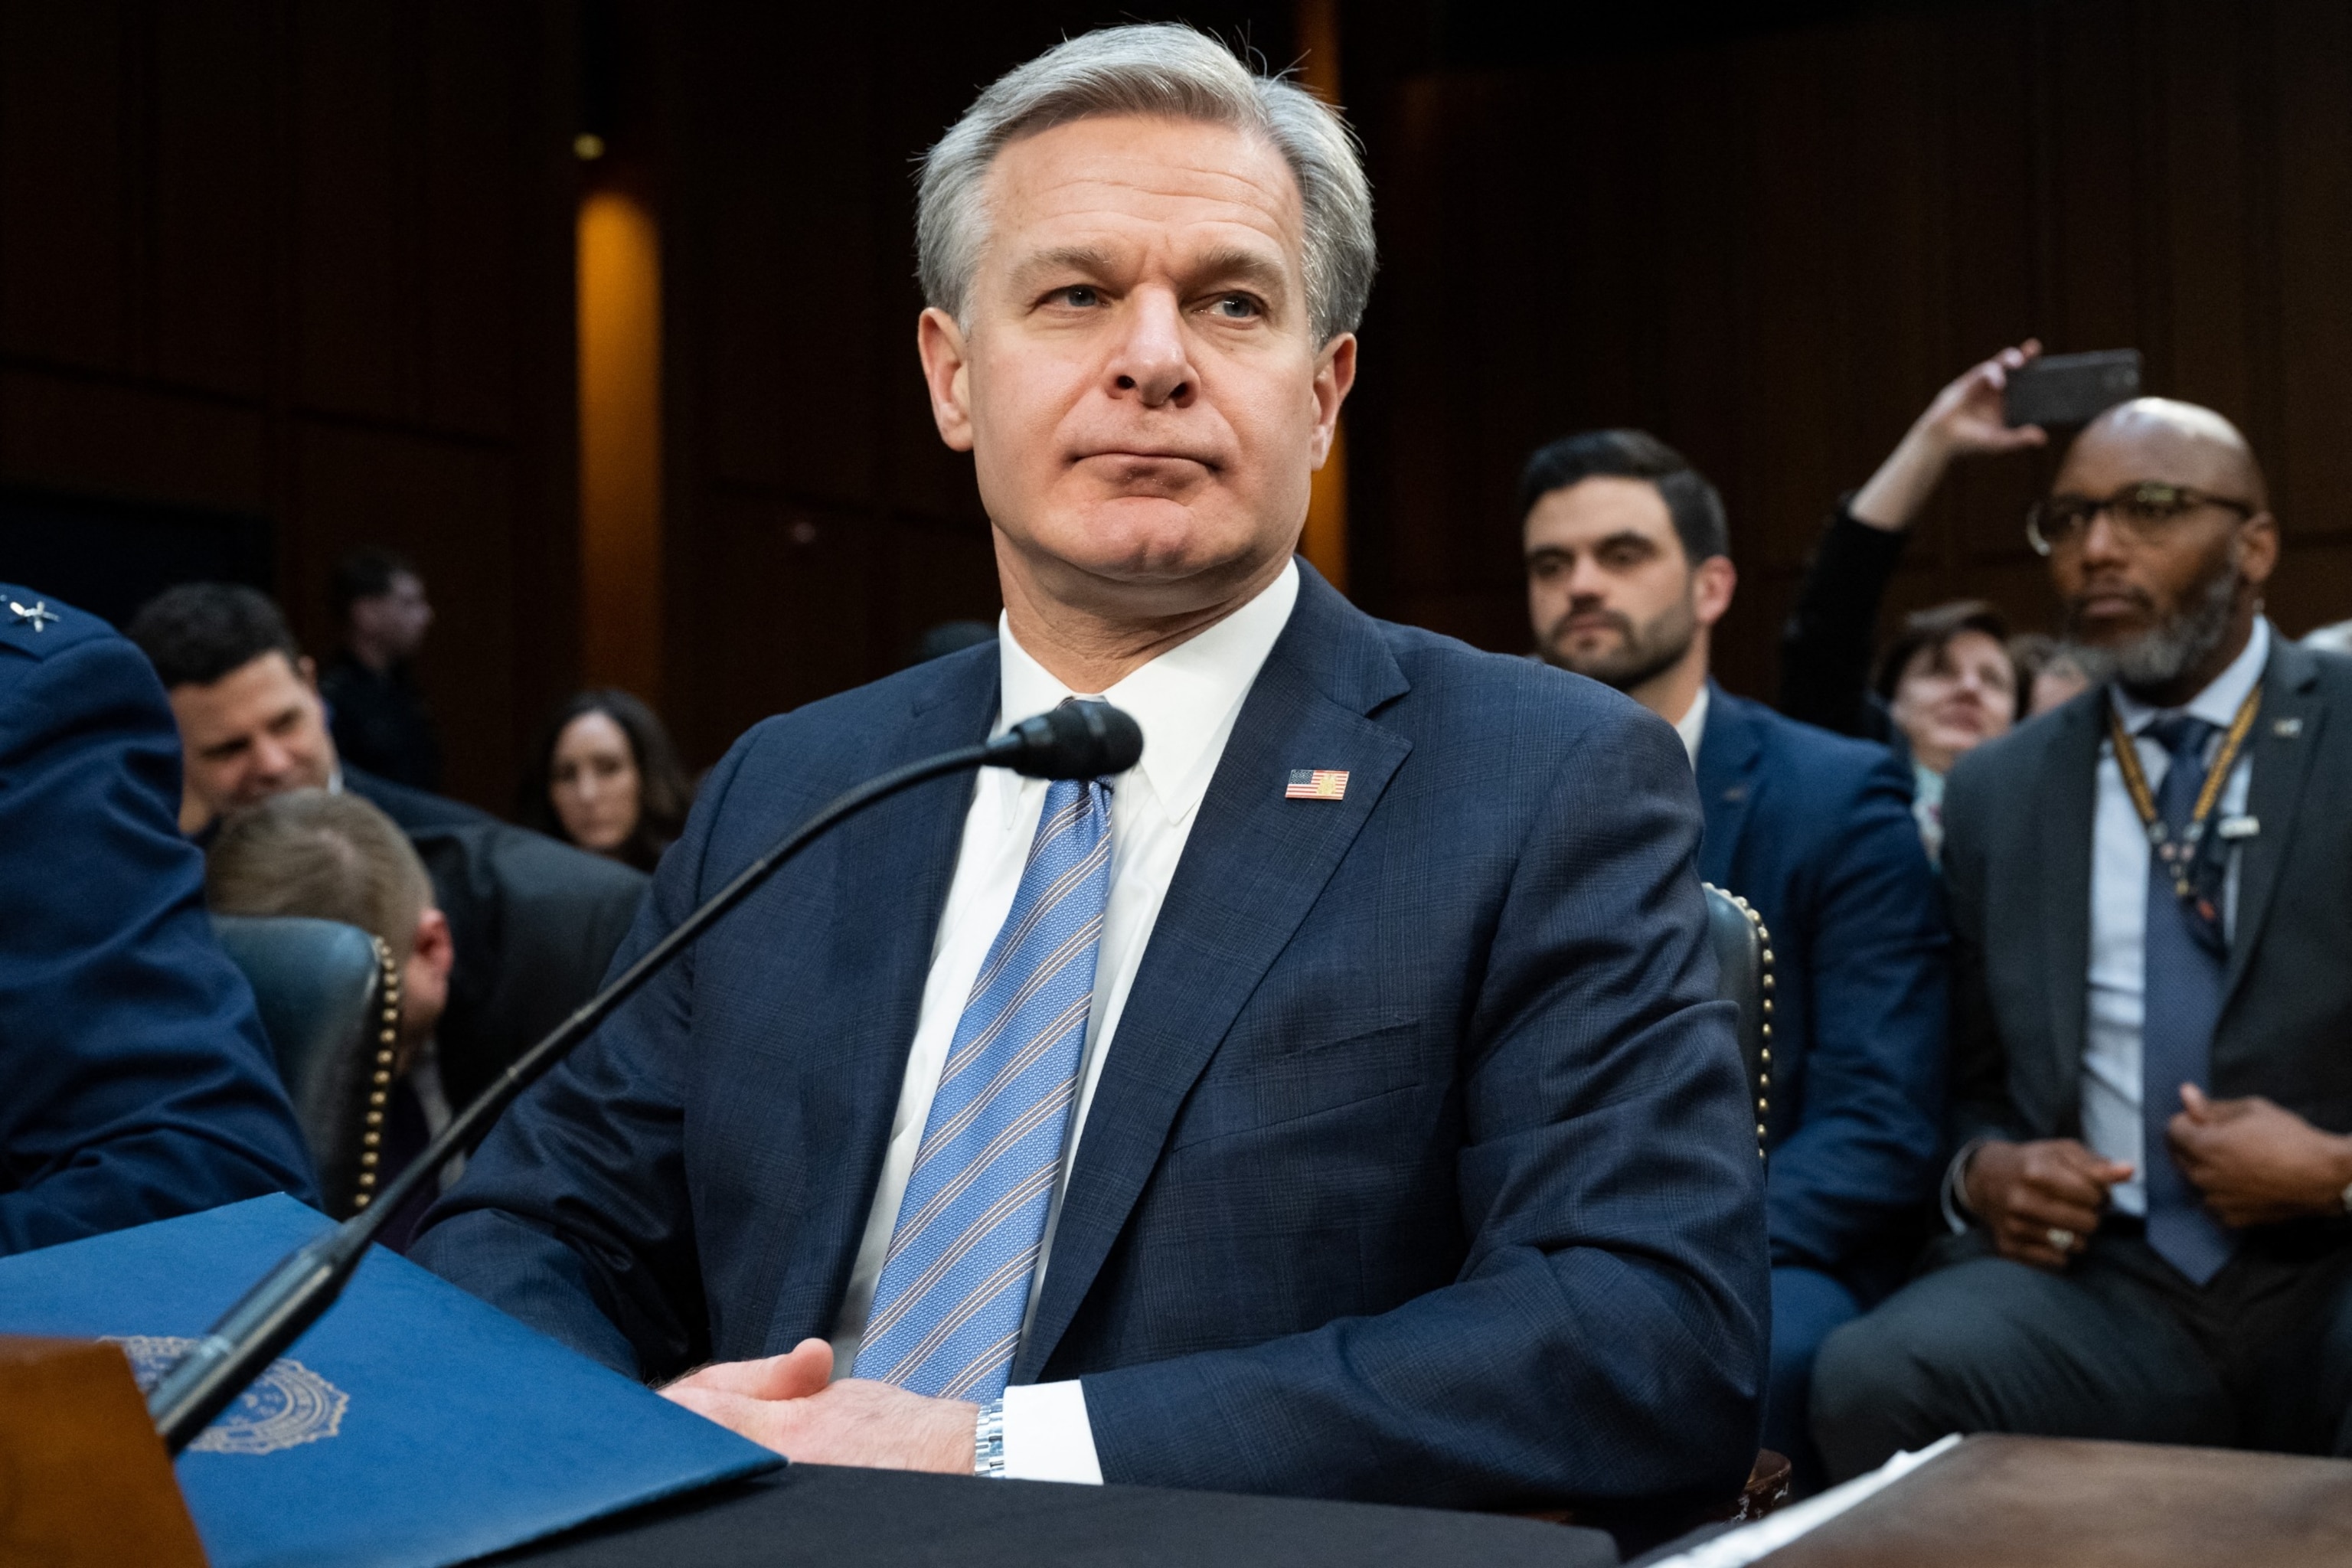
(955, 1284)
(2182, 996)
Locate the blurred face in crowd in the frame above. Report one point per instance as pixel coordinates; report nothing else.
(594, 784)
(392, 625)
(1136, 378)
(2158, 594)
(258, 731)
(1953, 697)
(1610, 591)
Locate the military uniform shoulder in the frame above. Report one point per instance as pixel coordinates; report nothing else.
(37, 626)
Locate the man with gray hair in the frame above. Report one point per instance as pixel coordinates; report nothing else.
(1334, 1103)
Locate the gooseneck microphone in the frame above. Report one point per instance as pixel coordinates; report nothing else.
(1075, 741)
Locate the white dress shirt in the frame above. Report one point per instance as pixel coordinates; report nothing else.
(2119, 851)
(1692, 725)
(1186, 701)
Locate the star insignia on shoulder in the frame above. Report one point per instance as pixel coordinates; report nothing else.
(39, 614)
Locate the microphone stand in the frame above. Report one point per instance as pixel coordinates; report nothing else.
(287, 1300)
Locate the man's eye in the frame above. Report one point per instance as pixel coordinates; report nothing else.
(1079, 295)
(1237, 307)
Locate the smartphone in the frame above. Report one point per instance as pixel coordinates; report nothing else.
(2070, 389)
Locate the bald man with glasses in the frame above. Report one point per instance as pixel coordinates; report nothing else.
(2151, 900)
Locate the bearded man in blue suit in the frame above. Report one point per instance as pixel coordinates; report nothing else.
(1628, 570)
(1334, 1103)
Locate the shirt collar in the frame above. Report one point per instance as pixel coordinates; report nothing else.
(1185, 699)
(1692, 725)
(2218, 704)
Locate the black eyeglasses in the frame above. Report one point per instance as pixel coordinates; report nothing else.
(2145, 510)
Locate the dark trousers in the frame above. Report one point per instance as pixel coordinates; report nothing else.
(1807, 1307)
(2119, 1346)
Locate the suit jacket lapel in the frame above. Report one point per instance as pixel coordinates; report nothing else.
(1727, 753)
(1252, 866)
(2065, 804)
(909, 845)
(2285, 739)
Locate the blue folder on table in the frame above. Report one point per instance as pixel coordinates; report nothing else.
(412, 1427)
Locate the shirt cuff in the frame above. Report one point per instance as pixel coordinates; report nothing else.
(1047, 1437)
(1956, 1210)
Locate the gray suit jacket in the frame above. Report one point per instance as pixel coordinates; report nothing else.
(2017, 859)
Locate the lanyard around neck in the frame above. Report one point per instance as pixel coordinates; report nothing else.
(2182, 858)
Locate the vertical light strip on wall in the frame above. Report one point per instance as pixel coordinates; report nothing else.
(620, 444)
(1325, 543)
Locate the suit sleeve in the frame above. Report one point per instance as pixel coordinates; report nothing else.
(1826, 644)
(138, 1083)
(1605, 1336)
(1864, 1154)
(1980, 1103)
(573, 1216)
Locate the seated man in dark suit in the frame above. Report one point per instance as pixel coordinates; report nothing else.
(135, 1083)
(1628, 571)
(1334, 1103)
(2151, 892)
(336, 857)
(534, 922)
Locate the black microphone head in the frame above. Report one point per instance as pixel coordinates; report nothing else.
(1075, 741)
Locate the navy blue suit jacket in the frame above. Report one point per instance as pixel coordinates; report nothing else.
(1816, 831)
(1419, 1167)
(135, 1082)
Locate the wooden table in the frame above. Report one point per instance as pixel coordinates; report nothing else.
(2047, 1503)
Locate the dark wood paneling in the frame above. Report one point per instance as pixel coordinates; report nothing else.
(1772, 251)
(311, 261)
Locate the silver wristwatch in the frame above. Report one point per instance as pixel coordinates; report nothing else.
(988, 1441)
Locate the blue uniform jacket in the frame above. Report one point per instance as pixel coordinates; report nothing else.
(1420, 1166)
(1816, 831)
(135, 1082)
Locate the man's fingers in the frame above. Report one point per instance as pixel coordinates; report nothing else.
(2071, 1188)
(797, 1374)
(2039, 1216)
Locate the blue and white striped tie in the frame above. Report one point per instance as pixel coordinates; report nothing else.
(947, 1312)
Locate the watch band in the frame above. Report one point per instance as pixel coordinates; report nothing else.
(2347, 1197)
(988, 1441)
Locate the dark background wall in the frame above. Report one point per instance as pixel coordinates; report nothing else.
(309, 263)
(1772, 244)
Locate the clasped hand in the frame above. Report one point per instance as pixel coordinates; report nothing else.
(791, 1404)
(2254, 1161)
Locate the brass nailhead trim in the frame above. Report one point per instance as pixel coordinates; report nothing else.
(387, 1039)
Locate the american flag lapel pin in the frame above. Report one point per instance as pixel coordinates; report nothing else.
(1317, 784)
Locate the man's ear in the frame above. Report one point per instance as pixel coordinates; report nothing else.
(1335, 373)
(2258, 548)
(433, 947)
(1713, 581)
(308, 668)
(946, 368)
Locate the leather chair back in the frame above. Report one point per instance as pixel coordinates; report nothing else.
(330, 1003)
(1743, 953)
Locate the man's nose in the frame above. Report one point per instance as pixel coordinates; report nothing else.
(1153, 361)
(271, 759)
(2102, 539)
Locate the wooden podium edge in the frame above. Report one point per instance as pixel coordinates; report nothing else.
(84, 1480)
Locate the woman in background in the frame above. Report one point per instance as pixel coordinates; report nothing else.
(605, 776)
(1948, 683)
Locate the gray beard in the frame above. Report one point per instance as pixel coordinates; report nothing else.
(2168, 651)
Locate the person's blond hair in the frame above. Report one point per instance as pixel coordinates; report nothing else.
(330, 857)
